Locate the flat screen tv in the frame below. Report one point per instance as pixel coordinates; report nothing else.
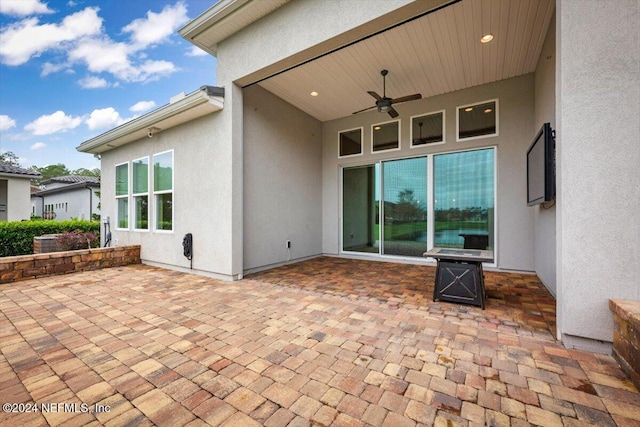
(541, 167)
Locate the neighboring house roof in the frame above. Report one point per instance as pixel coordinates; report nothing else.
(224, 19)
(181, 109)
(7, 169)
(71, 179)
(66, 188)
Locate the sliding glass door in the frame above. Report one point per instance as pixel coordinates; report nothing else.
(405, 207)
(464, 199)
(444, 200)
(360, 207)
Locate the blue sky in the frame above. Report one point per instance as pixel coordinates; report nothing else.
(74, 69)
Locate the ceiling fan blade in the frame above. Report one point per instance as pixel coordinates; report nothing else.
(406, 98)
(393, 113)
(364, 109)
(375, 95)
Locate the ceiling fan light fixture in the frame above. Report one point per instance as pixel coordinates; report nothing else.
(486, 38)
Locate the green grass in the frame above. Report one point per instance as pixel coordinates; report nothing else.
(398, 231)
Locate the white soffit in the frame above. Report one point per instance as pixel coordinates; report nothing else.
(431, 55)
(204, 101)
(224, 19)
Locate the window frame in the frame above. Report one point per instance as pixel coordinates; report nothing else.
(387, 150)
(429, 144)
(124, 196)
(431, 204)
(361, 153)
(156, 193)
(471, 138)
(134, 195)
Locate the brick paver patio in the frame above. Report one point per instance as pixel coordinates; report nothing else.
(325, 342)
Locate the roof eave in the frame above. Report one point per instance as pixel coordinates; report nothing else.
(204, 101)
(206, 19)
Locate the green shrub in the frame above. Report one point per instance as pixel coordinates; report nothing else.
(16, 238)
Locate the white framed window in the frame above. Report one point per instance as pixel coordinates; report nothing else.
(428, 129)
(140, 193)
(163, 190)
(385, 136)
(477, 121)
(122, 196)
(350, 143)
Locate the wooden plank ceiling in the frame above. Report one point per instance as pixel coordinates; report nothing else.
(434, 54)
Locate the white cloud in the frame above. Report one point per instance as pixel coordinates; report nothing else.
(37, 146)
(24, 39)
(141, 106)
(6, 122)
(56, 122)
(49, 68)
(157, 26)
(92, 82)
(196, 51)
(104, 118)
(23, 7)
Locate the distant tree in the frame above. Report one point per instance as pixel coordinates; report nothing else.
(52, 171)
(87, 172)
(10, 158)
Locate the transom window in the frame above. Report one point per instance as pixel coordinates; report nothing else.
(385, 136)
(478, 120)
(350, 143)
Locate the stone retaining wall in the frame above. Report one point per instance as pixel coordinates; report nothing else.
(23, 267)
(626, 337)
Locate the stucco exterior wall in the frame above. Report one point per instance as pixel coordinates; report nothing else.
(298, 26)
(545, 111)
(515, 244)
(74, 203)
(598, 122)
(15, 193)
(282, 181)
(202, 197)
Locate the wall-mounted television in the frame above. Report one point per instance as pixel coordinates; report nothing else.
(541, 182)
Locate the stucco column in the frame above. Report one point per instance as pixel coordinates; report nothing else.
(597, 158)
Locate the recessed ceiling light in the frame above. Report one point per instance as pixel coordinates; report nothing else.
(486, 38)
(376, 128)
(468, 109)
(487, 110)
(314, 93)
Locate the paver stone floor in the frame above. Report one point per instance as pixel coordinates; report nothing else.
(326, 342)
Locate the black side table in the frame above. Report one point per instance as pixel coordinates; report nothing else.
(459, 275)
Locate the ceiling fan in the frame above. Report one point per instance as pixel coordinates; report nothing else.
(384, 104)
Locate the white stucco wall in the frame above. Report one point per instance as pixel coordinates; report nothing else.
(17, 193)
(202, 197)
(282, 181)
(545, 111)
(73, 203)
(598, 125)
(515, 240)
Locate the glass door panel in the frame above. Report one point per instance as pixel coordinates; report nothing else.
(360, 209)
(464, 186)
(405, 207)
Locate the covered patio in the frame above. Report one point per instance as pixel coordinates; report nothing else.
(329, 342)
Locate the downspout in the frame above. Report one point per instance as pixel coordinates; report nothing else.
(88, 187)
